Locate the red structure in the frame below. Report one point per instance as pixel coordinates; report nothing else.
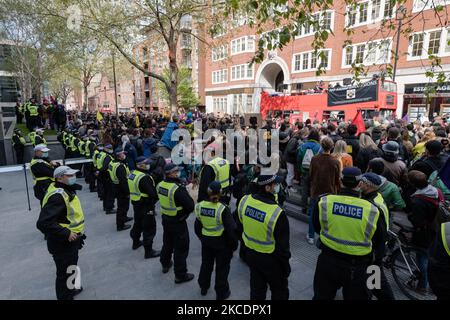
(339, 104)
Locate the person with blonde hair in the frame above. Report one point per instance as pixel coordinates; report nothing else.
(368, 151)
(340, 154)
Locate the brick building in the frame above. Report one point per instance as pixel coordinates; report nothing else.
(232, 86)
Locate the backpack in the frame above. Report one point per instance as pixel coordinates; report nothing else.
(442, 207)
(306, 162)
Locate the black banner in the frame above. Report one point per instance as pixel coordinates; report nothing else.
(364, 92)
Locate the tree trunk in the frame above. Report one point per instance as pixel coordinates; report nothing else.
(85, 103)
(173, 71)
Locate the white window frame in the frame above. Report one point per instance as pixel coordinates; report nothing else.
(370, 19)
(445, 32)
(241, 69)
(427, 5)
(310, 53)
(378, 53)
(219, 76)
(219, 53)
(242, 45)
(311, 32)
(220, 104)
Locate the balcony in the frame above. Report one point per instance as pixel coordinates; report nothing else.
(186, 43)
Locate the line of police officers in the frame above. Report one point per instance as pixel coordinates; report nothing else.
(351, 224)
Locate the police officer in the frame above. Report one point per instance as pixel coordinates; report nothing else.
(19, 145)
(39, 137)
(176, 206)
(369, 185)
(42, 171)
(265, 231)
(32, 137)
(33, 115)
(108, 196)
(62, 221)
(97, 161)
(216, 229)
(143, 197)
(91, 148)
(439, 263)
(216, 169)
(350, 228)
(118, 173)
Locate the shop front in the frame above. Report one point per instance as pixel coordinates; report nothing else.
(424, 101)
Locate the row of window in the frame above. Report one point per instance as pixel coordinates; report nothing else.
(220, 104)
(431, 42)
(243, 44)
(220, 53)
(310, 61)
(241, 103)
(238, 72)
(420, 5)
(369, 11)
(325, 21)
(374, 52)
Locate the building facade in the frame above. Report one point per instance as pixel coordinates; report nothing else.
(232, 85)
(151, 53)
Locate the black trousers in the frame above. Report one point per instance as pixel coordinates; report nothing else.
(333, 273)
(91, 176)
(65, 255)
(108, 194)
(176, 241)
(123, 204)
(144, 224)
(222, 259)
(100, 188)
(19, 155)
(266, 270)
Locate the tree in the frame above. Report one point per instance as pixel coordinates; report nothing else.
(186, 97)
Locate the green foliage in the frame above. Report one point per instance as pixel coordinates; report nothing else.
(186, 96)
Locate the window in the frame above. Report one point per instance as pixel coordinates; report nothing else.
(417, 44)
(376, 9)
(389, 8)
(237, 103)
(447, 42)
(220, 76)
(371, 11)
(420, 5)
(324, 61)
(219, 53)
(374, 52)
(297, 61)
(324, 20)
(384, 51)
(244, 44)
(359, 58)
(309, 61)
(249, 102)
(305, 61)
(434, 42)
(363, 12)
(348, 56)
(241, 72)
(327, 20)
(220, 104)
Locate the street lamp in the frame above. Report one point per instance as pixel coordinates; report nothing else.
(399, 16)
(115, 81)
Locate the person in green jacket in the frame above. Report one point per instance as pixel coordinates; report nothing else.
(436, 181)
(390, 191)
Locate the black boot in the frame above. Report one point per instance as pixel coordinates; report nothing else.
(137, 244)
(124, 227)
(150, 253)
(186, 278)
